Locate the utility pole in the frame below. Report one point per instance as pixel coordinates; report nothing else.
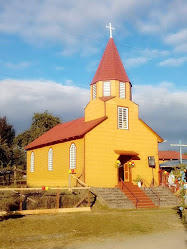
(180, 145)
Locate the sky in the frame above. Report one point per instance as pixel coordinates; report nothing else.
(50, 50)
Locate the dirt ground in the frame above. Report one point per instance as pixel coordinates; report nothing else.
(166, 240)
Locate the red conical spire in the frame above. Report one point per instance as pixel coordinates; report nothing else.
(111, 66)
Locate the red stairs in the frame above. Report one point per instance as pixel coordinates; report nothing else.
(136, 195)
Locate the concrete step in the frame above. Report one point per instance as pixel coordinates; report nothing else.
(167, 198)
(113, 198)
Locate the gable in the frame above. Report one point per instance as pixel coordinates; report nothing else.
(160, 140)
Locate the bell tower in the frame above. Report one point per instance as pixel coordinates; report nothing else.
(110, 81)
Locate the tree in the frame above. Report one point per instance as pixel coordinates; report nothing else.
(41, 122)
(7, 134)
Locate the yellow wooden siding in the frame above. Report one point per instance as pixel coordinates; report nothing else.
(105, 138)
(60, 173)
(94, 110)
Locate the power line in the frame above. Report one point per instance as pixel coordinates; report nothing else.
(88, 37)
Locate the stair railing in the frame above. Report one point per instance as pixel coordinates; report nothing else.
(149, 187)
(122, 184)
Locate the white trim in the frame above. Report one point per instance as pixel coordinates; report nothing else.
(122, 90)
(106, 88)
(123, 122)
(32, 162)
(50, 159)
(94, 89)
(72, 158)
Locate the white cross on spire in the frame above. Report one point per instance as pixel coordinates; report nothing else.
(110, 27)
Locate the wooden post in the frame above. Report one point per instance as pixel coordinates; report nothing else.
(21, 201)
(57, 198)
(14, 175)
(88, 198)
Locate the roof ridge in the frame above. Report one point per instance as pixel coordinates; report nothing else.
(75, 130)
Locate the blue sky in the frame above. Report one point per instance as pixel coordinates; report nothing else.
(50, 51)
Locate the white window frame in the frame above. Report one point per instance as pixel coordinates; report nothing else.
(94, 89)
(106, 88)
(32, 162)
(72, 156)
(123, 118)
(122, 90)
(50, 159)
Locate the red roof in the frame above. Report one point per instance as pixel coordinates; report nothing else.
(167, 155)
(64, 132)
(111, 66)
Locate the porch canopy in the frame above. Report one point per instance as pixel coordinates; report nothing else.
(126, 153)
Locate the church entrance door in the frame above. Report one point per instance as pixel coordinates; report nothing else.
(127, 173)
(124, 171)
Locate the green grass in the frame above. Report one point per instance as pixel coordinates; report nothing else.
(55, 231)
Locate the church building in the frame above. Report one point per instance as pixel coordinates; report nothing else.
(108, 145)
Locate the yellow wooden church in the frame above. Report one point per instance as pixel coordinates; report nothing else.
(108, 145)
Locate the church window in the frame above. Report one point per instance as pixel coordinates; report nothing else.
(50, 159)
(123, 118)
(72, 156)
(122, 90)
(106, 88)
(94, 91)
(32, 162)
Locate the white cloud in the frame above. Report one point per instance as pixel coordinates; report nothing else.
(92, 66)
(154, 53)
(173, 62)
(19, 99)
(164, 17)
(140, 57)
(135, 62)
(59, 68)
(161, 106)
(20, 65)
(178, 40)
(69, 23)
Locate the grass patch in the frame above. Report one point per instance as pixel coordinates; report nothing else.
(55, 231)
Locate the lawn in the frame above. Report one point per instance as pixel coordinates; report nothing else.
(58, 231)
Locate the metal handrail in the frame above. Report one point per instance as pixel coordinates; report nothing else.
(152, 190)
(122, 183)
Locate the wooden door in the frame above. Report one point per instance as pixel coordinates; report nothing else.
(126, 172)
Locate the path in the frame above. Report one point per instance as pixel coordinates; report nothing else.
(166, 240)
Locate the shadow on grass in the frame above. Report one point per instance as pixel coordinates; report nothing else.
(182, 215)
(7, 216)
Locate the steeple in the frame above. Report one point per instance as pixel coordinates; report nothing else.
(110, 66)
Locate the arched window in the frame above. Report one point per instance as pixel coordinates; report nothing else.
(72, 156)
(32, 162)
(50, 159)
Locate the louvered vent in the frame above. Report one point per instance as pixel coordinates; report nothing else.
(94, 91)
(106, 88)
(32, 162)
(73, 157)
(123, 118)
(122, 90)
(50, 159)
